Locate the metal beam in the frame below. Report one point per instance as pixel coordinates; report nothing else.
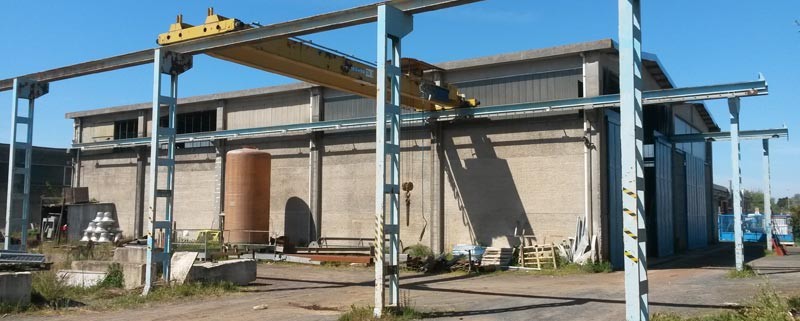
(767, 196)
(313, 24)
(631, 140)
(758, 87)
(736, 157)
(725, 136)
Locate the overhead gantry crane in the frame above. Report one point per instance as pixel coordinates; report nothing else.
(305, 61)
(394, 21)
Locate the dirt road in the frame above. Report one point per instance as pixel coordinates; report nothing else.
(693, 284)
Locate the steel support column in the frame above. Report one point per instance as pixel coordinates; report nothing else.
(631, 135)
(767, 196)
(171, 64)
(393, 25)
(736, 191)
(30, 90)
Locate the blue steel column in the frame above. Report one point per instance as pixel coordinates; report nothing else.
(631, 136)
(393, 25)
(30, 90)
(171, 64)
(736, 191)
(767, 195)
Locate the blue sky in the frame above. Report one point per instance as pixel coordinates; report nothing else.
(699, 42)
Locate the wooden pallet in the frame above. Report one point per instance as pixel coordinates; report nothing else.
(495, 256)
(538, 256)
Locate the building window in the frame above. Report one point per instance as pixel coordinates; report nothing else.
(610, 82)
(124, 129)
(195, 122)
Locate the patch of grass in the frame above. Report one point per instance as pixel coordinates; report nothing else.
(403, 313)
(49, 292)
(746, 272)
(768, 305)
(365, 314)
(419, 250)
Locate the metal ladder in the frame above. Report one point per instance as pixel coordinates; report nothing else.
(171, 64)
(30, 90)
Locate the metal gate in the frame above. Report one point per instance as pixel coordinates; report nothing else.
(614, 167)
(664, 223)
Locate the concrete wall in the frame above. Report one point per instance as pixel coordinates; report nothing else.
(519, 174)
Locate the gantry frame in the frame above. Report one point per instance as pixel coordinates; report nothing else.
(764, 135)
(631, 101)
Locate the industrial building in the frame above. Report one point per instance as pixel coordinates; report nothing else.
(480, 180)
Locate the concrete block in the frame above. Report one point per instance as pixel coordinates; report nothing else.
(180, 265)
(81, 278)
(131, 254)
(239, 272)
(15, 288)
(134, 273)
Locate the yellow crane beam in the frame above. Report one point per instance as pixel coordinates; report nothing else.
(317, 65)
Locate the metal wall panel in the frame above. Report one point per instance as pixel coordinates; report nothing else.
(664, 224)
(696, 202)
(543, 86)
(348, 107)
(613, 154)
(278, 109)
(679, 200)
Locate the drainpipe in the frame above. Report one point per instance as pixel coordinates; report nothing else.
(587, 166)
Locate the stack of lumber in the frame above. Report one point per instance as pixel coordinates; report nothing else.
(495, 256)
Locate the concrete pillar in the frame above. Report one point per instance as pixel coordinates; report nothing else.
(316, 151)
(436, 179)
(142, 154)
(220, 159)
(592, 81)
(141, 170)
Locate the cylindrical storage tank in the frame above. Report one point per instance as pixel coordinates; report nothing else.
(247, 180)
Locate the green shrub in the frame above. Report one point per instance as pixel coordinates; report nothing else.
(114, 277)
(419, 250)
(746, 272)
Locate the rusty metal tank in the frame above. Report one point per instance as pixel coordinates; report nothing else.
(247, 185)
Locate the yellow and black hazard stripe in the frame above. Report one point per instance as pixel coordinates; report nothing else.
(629, 192)
(629, 233)
(631, 257)
(629, 212)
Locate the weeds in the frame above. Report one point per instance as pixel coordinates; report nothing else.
(768, 305)
(746, 272)
(402, 313)
(419, 250)
(365, 314)
(51, 293)
(114, 277)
